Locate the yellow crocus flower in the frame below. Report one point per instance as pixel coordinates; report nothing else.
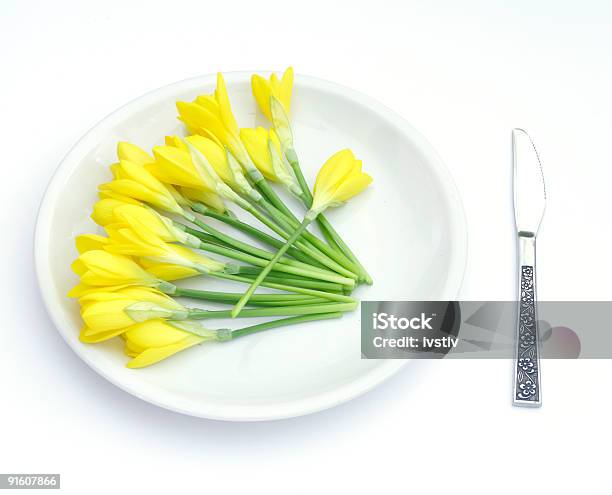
(103, 210)
(280, 89)
(140, 218)
(174, 165)
(136, 182)
(339, 179)
(154, 340)
(225, 166)
(264, 148)
(109, 313)
(101, 268)
(212, 114)
(206, 196)
(274, 99)
(145, 244)
(221, 188)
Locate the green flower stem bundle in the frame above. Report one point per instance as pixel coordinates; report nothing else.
(339, 179)
(289, 223)
(252, 232)
(304, 246)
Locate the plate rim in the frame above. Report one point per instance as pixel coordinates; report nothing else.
(318, 402)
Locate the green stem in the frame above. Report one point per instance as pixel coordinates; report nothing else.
(201, 314)
(265, 220)
(298, 290)
(260, 278)
(241, 332)
(327, 228)
(256, 300)
(270, 195)
(324, 224)
(292, 158)
(295, 281)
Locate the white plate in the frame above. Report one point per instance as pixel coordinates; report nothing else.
(408, 229)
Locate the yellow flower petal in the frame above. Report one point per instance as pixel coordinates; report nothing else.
(275, 141)
(174, 165)
(104, 211)
(208, 198)
(156, 354)
(103, 316)
(133, 292)
(107, 194)
(261, 92)
(129, 242)
(139, 218)
(196, 258)
(169, 272)
(263, 89)
(89, 242)
(286, 89)
(136, 190)
(215, 155)
(81, 290)
(142, 176)
(197, 117)
(225, 108)
(256, 143)
(78, 267)
(334, 170)
(132, 349)
(176, 141)
(352, 187)
(104, 268)
(155, 333)
(132, 153)
(94, 338)
(117, 171)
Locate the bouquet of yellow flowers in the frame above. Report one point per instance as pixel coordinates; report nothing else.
(154, 212)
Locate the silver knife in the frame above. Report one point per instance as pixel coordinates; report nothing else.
(529, 205)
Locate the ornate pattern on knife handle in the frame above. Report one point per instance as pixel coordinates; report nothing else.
(527, 371)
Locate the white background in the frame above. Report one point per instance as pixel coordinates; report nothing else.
(463, 73)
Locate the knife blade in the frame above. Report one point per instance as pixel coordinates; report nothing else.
(529, 188)
(529, 206)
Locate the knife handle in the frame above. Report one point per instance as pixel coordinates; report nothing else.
(527, 391)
